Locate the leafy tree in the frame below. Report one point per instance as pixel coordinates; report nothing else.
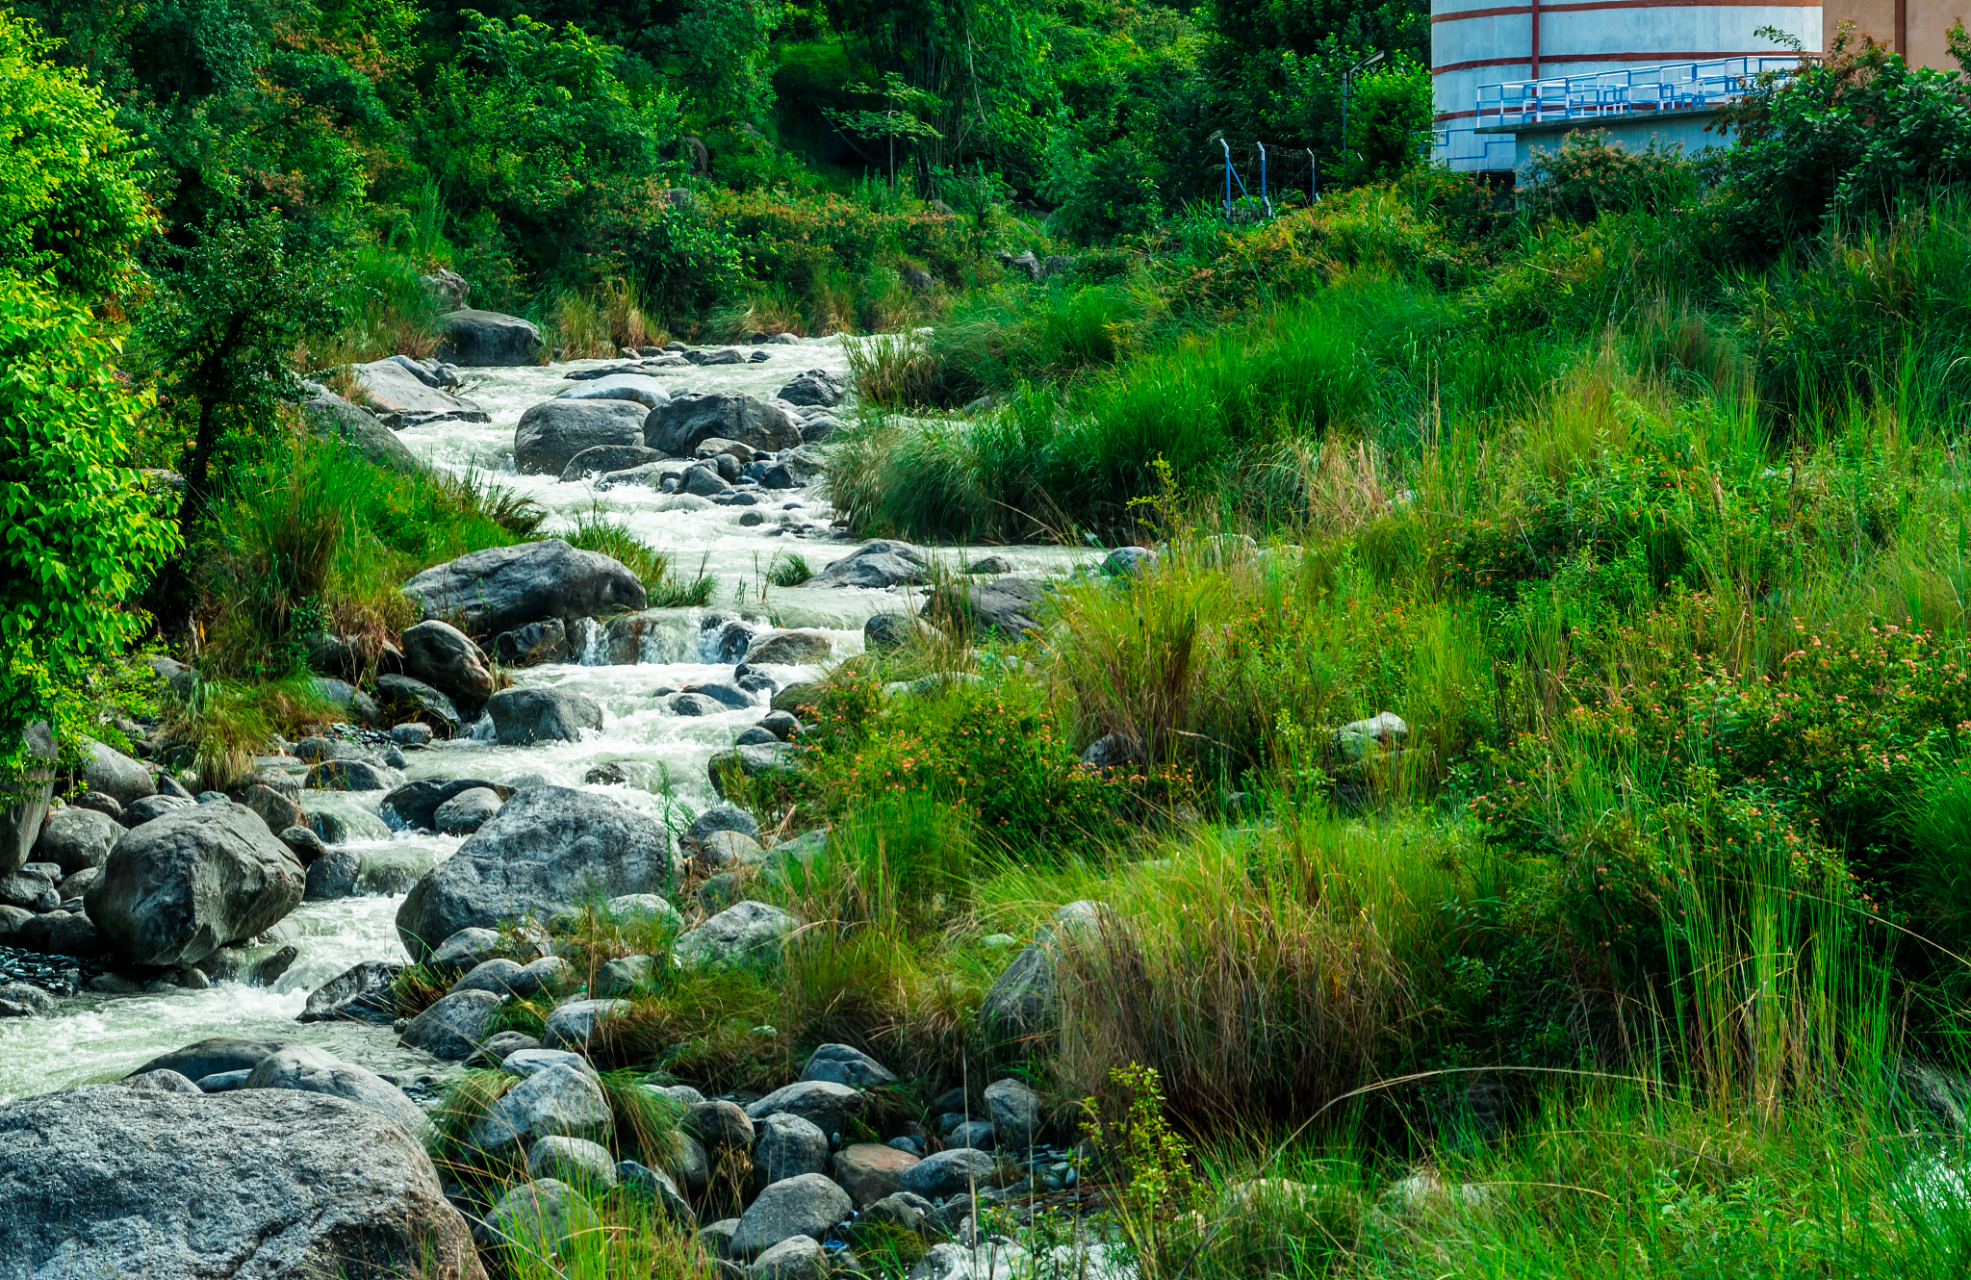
(1389, 118)
(1850, 135)
(78, 536)
(69, 203)
(899, 119)
(223, 330)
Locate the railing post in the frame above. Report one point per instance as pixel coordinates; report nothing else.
(1313, 178)
(1228, 178)
(1265, 201)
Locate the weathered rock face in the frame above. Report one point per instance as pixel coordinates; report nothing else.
(688, 420)
(330, 417)
(502, 588)
(179, 887)
(116, 775)
(399, 398)
(523, 716)
(546, 849)
(446, 659)
(487, 339)
(551, 434)
(262, 1184)
(20, 822)
(882, 562)
(76, 839)
(1003, 609)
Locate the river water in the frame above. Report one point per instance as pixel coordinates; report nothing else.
(97, 1037)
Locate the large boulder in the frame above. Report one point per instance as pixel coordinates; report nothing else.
(502, 588)
(750, 760)
(1015, 1113)
(547, 848)
(310, 1070)
(75, 839)
(410, 700)
(882, 562)
(637, 388)
(843, 1065)
(869, 1172)
(181, 886)
(399, 398)
(680, 426)
(487, 339)
(115, 775)
(330, 417)
(551, 434)
(809, 1205)
(523, 716)
(816, 387)
(1002, 609)
(445, 658)
(261, 1184)
(20, 821)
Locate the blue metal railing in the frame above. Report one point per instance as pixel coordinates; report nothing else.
(1603, 95)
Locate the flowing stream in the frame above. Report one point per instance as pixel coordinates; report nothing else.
(96, 1037)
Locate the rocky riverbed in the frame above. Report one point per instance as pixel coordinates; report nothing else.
(231, 948)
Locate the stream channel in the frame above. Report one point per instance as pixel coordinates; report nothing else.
(100, 1037)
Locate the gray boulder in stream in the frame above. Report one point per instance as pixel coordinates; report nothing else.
(523, 716)
(882, 562)
(551, 434)
(487, 339)
(446, 659)
(547, 848)
(183, 885)
(501, 588)
(688, 420)
(258, 1184)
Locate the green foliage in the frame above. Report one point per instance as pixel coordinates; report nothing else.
(1389, 120)
(70, 204)
(82, 534)
(1587, 176)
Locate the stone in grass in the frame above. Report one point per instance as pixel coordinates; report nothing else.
(744, 933)
(825, 1104)
(844, 1065)
(572, 1160)
(1015, 1113)
(539, 1217)
(786, 1146)
(642, 908)
(622, 975)
(454, 1027)
(495, 975)
(310, 1070)
(531, 1060)
(578, 1022)
(948, 1173)
(721, 817)
(795, 1258)
(869, 1172)
(720, 1126)
(658, 1186)
(809, 1205)
(549, 975)
(464, 949)
(500, 1046)
(561, 1101)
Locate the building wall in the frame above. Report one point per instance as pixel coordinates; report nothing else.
(1913, 28)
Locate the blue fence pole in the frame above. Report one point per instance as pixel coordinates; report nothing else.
(1228, 178)
(1313, 183)
(1265, 201)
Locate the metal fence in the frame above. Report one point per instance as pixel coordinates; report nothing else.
(1262, 178)
(1611, 95)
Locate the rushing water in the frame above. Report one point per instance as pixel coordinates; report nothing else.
(97, 1037)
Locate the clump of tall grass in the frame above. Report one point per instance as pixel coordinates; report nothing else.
(599, 322)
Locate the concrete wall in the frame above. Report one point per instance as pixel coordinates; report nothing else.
(1913, 28)
(1685, 132)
